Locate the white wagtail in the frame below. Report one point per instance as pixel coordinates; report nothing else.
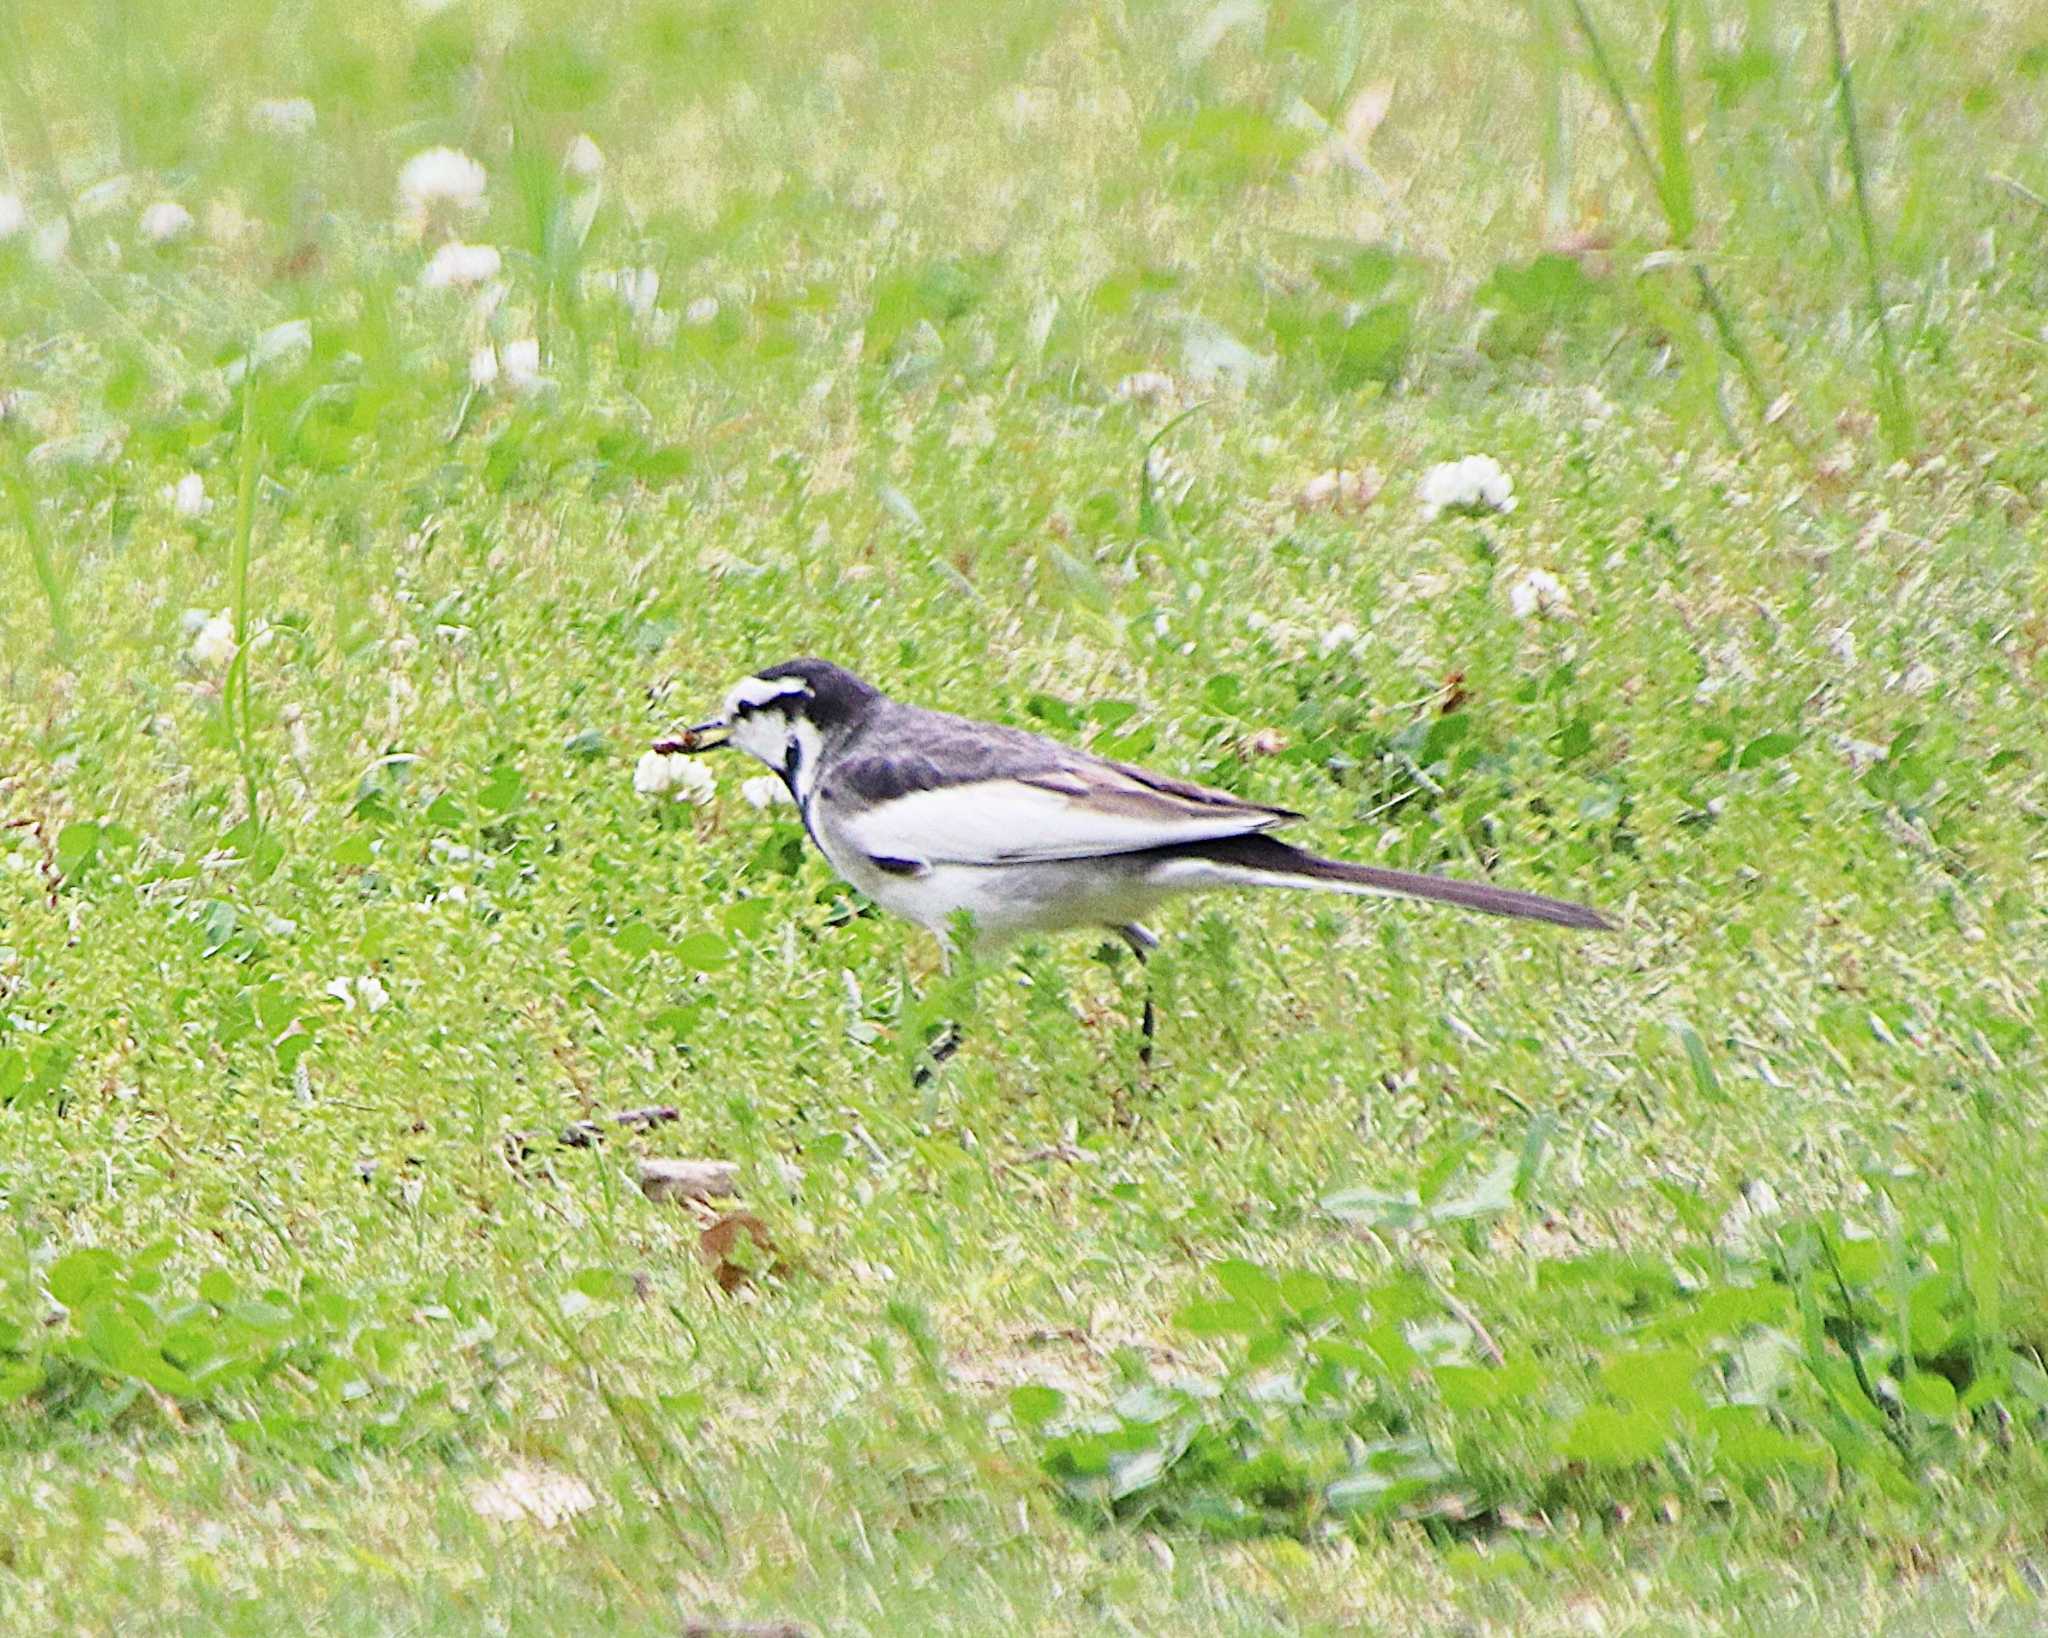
(931, 814)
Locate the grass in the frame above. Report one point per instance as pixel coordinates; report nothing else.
(1445, 1275)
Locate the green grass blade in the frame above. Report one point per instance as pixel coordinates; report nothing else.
(1555, 136)
(14, 68)
(1894, 412)
(236, 704)
(1723, 319)
(1668, 93)
(21, 487)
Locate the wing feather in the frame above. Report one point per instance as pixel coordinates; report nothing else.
(1076, 809)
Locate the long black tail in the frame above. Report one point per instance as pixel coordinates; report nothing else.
(1265, 861)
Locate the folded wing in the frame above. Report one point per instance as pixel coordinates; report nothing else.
(1077, 810)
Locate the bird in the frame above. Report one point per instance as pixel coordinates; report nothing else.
(931, 814)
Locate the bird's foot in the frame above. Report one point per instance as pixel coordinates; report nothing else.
(943, 1046)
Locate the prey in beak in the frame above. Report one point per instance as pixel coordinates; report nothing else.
(706, 736)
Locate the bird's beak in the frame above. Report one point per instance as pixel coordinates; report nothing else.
(706, 736)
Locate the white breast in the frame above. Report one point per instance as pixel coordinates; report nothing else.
(1006, 901)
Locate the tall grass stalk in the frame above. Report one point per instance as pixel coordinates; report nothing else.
(1674, 195)
(1556, 131)
(115, 33)
(1894, 412)
(636, 1438)
(15, 67)
(21, 486)
(236, 696)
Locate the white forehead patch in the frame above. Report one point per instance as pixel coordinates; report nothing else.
(757, 691)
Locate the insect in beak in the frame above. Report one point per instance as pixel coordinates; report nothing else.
(706, 736)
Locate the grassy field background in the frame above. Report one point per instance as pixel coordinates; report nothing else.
(1444, 1275)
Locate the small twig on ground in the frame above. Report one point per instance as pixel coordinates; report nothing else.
(53, 878)
(1462, 1312)
(654, 1114)
(1458, 1308)
(2015, 186)
(664, 1179)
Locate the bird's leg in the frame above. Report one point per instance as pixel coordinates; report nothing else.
(937, 1053)
(947, 1041)
(1143, 941)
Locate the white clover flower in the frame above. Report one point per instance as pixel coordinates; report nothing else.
(484, 305)
(584, 160)
(439, 176)
(637, 287)
(674, 777)
(701, 311)
(1746, 1224)
(1170, 481)
(1539, 594)
(282, 116)
(1321, 490)
(213, 645)
(1340, 489)
(1475, 485)
(483, 367)
(1145, 387)
(368, 990)
(188, 496)
(13, 216)
(520, 360)
(766, 791)
(456, 264)
(285, 344)
(1342, 635)
(287, 340)
(164, 221)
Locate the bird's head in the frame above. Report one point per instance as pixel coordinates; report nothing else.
(784, 716)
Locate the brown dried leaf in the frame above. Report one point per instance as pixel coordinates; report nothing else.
(736, 1247)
